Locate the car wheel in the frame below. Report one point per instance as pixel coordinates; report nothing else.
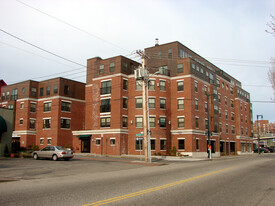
(55, 157)
(35, 156)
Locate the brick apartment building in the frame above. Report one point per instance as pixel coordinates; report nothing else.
(46, 112)
(180, 97)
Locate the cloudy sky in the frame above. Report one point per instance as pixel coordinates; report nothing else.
(229, 33)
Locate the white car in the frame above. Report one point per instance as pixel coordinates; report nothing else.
(53, 152)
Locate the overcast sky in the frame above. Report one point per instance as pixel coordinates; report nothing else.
(229, 33)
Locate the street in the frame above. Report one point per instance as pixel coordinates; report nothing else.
(240, 180)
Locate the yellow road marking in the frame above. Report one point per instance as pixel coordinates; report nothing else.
(115, 199)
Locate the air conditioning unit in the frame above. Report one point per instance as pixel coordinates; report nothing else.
(139, 73)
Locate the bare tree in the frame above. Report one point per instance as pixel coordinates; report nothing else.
(271, 75)
(271, 72)
(271, 26)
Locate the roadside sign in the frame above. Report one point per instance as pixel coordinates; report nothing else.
(139, 138)
(139, 135)
(273, 140)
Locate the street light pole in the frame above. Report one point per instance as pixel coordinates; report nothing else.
(259, 115)
(209, 129)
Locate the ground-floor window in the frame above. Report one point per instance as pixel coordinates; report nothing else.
(112, 141)
(49, 141)
(249, 147)
(41, 141)
(197, 144)
(153, 144)
(232, 146)
(97, 141)
(163, 144)
(181, 144)
(243, 147)
(139, 144)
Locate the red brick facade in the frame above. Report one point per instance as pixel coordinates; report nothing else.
(179, 106)
(36, 125)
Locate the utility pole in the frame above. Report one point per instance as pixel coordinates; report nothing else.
(259, 115)
(143, 74)
(209, 129)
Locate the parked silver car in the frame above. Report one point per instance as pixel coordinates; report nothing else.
(53, 152)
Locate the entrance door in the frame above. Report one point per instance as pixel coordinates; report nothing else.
(227, 148)
(85, 145)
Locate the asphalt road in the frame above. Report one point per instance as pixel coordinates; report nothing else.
(246, 180)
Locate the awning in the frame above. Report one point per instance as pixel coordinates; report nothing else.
(3, 125)
(84, 136)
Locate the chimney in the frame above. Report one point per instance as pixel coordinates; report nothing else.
(156, 42)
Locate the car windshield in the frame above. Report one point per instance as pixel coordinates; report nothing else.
(60, 148)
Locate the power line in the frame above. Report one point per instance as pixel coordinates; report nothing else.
(72, 26)
(41, 48)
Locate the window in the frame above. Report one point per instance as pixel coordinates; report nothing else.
(138, 85)
(14, 95)
(22, 105)
(32, 123)
(162, 85)
(180, 86)
(23, 90)
(101, 69)
(41, 92)
(125, 84)
(162, 103)
(196, 104)
(20, 121)
(112, 67)
(48, 90)
(97, 142)
(180, 103)
(65, 106)
(219, 97)
(197, 144)
(139, 122)
(49, 141)
(46, 123)
(169, 53)
(180, 122)
(33, 92)
(124, 103)
(220, 112)
(55, 89)
(139, 144)
(232, 103)
(220, 127)
(225, 100)
(193, 66)
(124, 121)
(197, 122)
(3, 96)
(66, 89)
(205, 107)
(163, 144)
(233, 130)
(65, 123)
(231, 90)
(152, 85)
(162, 121)
(160, 54)
(112, 141)
(138, 102)
(181, 144)
(124, 66)
(33, 107)
(196, 86)
(164, 70)
(226, 128)
(198, 68)
(180, 68)
(232, 116)
(152, 102)
(105, 122)
(8, 96)
(152, 121)
(41, 141)
(105, 105)
(47, 106)
(153, 144)
(105, 87)
(205, 90)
